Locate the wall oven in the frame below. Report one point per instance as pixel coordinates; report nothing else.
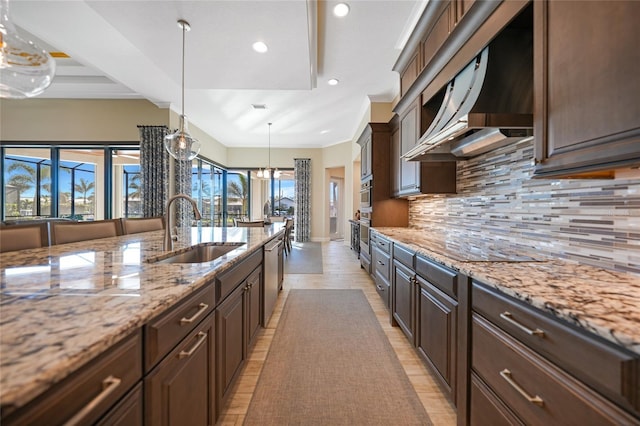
(366, 190)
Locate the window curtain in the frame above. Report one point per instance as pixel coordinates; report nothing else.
(302, 174)
(154, 169)
(183, 175)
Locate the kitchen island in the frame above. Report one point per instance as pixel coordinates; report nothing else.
(64, 305)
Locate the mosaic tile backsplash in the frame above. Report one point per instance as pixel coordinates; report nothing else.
(591, 221)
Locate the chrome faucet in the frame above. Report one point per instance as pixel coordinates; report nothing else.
(168, 239)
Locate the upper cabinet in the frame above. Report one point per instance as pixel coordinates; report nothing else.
(414, 177)
(586, 84)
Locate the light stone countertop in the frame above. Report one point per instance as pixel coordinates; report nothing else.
(63, 305)
(601, 301)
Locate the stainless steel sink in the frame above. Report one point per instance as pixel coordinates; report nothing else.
(200, 253)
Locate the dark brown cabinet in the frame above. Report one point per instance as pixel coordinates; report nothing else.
(92, 392)
(586, 86)
(438, 34)
(531, 366)
(181, 389)
(403, 292)
(436, 332)
(416, 177)
(231, 338)
(381, 266)
(237, 324)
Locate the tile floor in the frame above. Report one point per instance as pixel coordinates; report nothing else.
(341, 270)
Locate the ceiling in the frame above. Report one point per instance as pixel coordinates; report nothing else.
(131, 49)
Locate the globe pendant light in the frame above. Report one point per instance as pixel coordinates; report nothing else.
(25, 69)
(181, 145)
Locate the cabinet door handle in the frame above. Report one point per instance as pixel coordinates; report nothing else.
(108, 386)
(202, 336)
(506, 374)
(508, 317)
(201, 308)
(380, 263)
(379, 287)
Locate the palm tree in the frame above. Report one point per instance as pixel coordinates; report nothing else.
(21, 181)
(134, 186)
(84, 187)
(239, 190)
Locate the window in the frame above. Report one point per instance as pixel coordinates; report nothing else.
(125, 171)
(237, 196)
(207, 191)
(78, 184)
(283, 194)
(27, 182)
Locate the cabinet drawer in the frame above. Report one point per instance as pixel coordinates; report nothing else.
(440, 276)
(538, 391)
(87, 395)
(382, 264)
(164, 332)
(617, 371)
(486, 407)
(404, 255)
(229, 280)
(383, 244)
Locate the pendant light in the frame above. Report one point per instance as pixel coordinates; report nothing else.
(181, 145)
(26, 70)
(266, 173)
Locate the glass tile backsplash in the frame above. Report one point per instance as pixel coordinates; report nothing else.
(591, 221)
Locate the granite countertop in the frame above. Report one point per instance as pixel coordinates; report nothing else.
(63, 305)
(603, 302)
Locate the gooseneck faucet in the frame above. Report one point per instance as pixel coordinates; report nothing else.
(168, 240)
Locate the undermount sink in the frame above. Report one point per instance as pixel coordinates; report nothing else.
(200, 253)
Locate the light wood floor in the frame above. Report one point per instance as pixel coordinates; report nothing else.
(341, 270)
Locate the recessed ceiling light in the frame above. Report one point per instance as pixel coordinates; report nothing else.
(259, 106)
(324, 132)
(333, 81)
(260, 47)
(341, 10)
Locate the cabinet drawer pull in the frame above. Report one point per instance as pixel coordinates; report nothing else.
(108, 386)
(202, 336)
(508, 317)
(380, 262)
(379, 287)
(506, 374)
(201, 308)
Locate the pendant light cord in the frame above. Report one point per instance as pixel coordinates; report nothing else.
(184, 31)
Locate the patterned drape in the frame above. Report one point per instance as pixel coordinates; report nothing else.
(184, 211)
(302, 175)
(154, 170)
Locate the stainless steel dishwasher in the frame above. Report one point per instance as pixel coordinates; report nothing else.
(271, 285)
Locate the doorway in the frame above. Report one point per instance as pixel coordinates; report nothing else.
(336, 208)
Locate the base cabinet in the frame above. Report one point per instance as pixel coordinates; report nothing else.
(436, 334)
(92, 393)
(403, 299)
(237, 325)
(181, 389)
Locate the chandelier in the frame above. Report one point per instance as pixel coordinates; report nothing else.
(25, 69)
(266, 173)
(181, 145)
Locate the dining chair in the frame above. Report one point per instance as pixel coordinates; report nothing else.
(62, 233)
(144, 224)
(23, 236)
(251, 224)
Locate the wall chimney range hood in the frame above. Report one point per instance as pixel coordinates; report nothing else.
(489, 103)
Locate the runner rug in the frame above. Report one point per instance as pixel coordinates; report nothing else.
(330, 363)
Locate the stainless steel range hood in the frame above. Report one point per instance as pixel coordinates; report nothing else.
(487, 105)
